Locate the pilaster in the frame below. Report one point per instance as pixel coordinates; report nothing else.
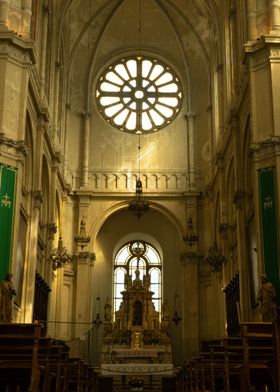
(263, 59)
(16, 55)
(84, 262)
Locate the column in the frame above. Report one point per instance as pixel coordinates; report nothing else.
(26, 17)
(58, 69)
(85, 167)
(189, 117)
(4, 11)
(275, 16)
(242, 253)
(252, 20)
(16, 55)
(45, 17)
(29, 274)
(263, 59)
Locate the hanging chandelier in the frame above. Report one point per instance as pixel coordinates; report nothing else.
(138, 205)
(215, 258)
(59, 256)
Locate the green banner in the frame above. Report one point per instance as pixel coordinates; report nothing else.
(7, 198)
(268, 209)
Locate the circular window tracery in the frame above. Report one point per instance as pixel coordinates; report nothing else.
(139, 95)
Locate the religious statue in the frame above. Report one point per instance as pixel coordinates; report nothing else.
(7, 291)
(128, 281)
(266, 298)
(107, 312)
(147, 281)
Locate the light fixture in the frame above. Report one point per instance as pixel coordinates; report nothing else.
(215, 258)
(59, 256)
(176, 317)
(190, 237)
(97, 321)
(138, 205)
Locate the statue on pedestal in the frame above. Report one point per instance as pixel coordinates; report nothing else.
(266, 298)
(7, 292)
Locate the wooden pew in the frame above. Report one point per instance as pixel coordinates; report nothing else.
(276, 342)
(256, 369)
(238, 363)
(19, 345)
(31, 362)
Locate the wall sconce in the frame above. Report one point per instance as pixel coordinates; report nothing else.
(97, 321)
(176, 317)
(215, 258)
(59, 256)
(190, 237)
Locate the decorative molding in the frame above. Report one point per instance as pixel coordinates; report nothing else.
(264, 50)
(274, 53)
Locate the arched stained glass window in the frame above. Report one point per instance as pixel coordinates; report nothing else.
(149, 262)
(139, 94)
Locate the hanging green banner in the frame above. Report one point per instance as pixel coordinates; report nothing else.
(7, 198)
(268, 209)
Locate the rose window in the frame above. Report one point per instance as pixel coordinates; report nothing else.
(139, 95)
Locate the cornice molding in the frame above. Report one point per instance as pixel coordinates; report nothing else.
(262, 51)
(17, 48)
(266, 148)
(11, 148)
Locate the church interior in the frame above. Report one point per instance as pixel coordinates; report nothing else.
(139, 185)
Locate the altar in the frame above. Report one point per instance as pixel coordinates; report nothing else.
(138, 341)
(133, 369)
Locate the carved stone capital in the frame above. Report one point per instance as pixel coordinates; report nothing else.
(85, 258)
(86, 114)
(25, 193)
(223, 229)
(220, 160)
(45, 8)
(190, 258)
(189, 116)
(52, 230)
(38, 199)
(238, 198)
